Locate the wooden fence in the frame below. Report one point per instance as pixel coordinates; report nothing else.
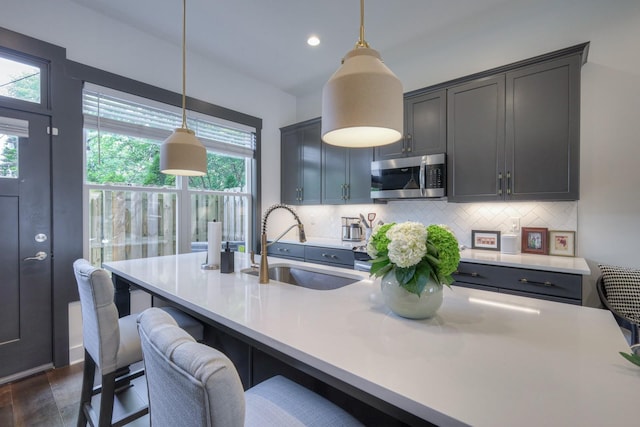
(138, 224)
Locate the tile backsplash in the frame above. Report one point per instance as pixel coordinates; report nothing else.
(324, 221)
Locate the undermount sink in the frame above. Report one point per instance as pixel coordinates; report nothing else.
(306, 277)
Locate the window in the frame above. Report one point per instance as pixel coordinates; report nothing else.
(11, 130)
(133, 210)
(19, 80)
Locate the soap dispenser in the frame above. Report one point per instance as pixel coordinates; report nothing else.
(226, 260)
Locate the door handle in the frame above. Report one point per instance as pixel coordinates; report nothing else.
(40, 256)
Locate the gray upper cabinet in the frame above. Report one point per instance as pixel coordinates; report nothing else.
(542, 131)
(346, 175)
(425, 117)
(475, 140)
(515, 136)
(300, 163)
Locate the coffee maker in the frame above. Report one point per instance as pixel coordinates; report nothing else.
(351, 229)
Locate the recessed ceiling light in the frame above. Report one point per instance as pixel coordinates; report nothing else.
(313, 41)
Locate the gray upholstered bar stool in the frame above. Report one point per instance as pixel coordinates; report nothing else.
(111, 345)
(192, 385)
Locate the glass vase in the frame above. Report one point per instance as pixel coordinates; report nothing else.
(407, 304)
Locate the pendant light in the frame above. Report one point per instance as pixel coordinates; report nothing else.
(182, 153)
(362, 103)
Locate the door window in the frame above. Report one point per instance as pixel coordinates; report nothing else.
(19, 80)
(11, 130)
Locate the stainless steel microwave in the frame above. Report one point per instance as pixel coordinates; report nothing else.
(409, 177)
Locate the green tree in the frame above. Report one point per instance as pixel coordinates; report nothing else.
(9, 156)
(25, 86)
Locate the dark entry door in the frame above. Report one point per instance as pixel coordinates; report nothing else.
(25, 243)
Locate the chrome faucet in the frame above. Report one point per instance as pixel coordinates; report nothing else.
(264, 265)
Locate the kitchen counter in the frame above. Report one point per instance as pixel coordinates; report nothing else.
(486, 359)
(561, 264)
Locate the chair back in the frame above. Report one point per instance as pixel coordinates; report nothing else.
(100, 329)
(189, 384)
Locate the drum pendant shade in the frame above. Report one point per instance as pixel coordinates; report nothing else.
(182, 153)
(362, 103)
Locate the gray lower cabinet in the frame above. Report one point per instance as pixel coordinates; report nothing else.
(425, 127)
(321, 255)
(300, 161)
(547, 285)
(316, 254)
(346, 175)
(286, 250)
(515, 135)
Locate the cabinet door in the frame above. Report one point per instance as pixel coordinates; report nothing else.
(426, 122)
(359, 175)
(290, 163)
(334, 179)
(475, 140)
(311, 164)
(542, 140)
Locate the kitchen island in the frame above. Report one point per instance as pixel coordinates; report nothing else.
(486, 359)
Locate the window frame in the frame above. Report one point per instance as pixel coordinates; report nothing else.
(183, 193)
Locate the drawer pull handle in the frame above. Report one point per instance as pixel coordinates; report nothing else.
(545, 283)
(474, 274)
(332, 256)
(283, 250)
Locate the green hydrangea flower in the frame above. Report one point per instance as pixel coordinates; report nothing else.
(448, 251)
(379, 241)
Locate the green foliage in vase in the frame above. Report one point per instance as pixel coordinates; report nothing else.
(633, 358)
(414, 253)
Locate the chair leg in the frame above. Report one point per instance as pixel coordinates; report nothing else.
(106, 400)
(87, 388)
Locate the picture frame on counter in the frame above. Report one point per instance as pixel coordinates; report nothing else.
(534, 240)
(485, 239)
(562, 243)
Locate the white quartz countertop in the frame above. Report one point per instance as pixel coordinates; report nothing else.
(562, 264)
(486, 359)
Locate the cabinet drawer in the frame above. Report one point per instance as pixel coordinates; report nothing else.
(329, 256)
(521, 280)
(286, 250)
(542, 282)
(478, 274)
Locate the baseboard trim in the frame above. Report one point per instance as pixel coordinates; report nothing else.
(26, 373)
(76, 354)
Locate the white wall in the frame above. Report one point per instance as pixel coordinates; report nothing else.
(608, 212)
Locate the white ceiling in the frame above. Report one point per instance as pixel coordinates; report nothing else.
(266, 39)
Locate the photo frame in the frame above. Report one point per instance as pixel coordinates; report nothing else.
(485, 239)
(534, 240)
(562, 243)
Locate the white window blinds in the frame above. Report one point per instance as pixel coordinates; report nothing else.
(107, 110)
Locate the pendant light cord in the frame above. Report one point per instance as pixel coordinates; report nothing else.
(362, 42)
(184, 64)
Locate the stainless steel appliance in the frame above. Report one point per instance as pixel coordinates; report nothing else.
(409, 177)
(351, 229)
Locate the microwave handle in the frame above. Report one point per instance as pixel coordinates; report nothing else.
(423, 168)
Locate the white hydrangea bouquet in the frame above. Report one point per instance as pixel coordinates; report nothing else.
(415, 253)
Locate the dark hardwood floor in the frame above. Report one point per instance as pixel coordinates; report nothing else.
(48, 399)
(52, 399)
